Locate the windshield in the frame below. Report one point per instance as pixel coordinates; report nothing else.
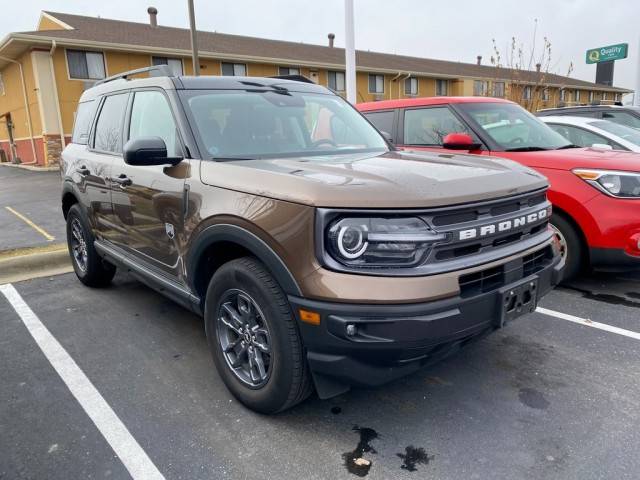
(627, 133)
(512, 127)
(278, 123)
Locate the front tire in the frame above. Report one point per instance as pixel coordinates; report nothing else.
(88, 265)
(571, 246)
(254, 339)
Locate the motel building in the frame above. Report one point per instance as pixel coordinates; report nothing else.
(44, 72)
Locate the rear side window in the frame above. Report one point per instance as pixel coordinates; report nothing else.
(108, 137)
(84, 117)
(623, 118)
(383, 121)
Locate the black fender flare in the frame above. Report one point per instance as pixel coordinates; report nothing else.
(248, 240)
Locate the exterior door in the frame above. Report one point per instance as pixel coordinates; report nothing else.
(92, 165)
(148, 200)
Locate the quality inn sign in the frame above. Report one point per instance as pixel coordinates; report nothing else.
(605, 54)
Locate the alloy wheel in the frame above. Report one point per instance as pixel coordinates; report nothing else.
(562, 241)
(78, 245)
(244, 338)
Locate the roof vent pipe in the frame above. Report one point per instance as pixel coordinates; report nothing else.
(331, 39)
(153, 16)
(479, 59)
(538, 67)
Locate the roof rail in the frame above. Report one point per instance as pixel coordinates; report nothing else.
(295, 78)
(164, 70)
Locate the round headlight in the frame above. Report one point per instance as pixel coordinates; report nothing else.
(351, 241)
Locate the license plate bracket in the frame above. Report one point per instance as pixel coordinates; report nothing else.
(518, 299)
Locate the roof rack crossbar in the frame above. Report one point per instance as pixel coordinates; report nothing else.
(164, 70)
(295, 78)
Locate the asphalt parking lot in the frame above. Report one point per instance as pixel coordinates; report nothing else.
(29, 220)
(542, 398)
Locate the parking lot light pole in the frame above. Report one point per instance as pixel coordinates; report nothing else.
(636, 94)
(350, 52)
(194, 40)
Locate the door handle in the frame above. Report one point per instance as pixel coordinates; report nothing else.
(122, 180)
(84, 171)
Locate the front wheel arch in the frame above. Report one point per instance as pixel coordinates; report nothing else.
(218, 244)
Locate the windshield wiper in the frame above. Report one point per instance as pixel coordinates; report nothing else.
(525, 149)
(570, 145)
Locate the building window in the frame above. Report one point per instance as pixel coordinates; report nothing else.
(85, 65)
(526, 93)
(175, 64)
(604, 95)
(498, 89)
(234, 69)
(336, 81)
(562, 94)
(591, 97)
(545, 94)
(411, 86)
(288, 71)
(616, 98)
(1, 85)
(376, 83)
(442, 87)
(480, 88)
(577, 96)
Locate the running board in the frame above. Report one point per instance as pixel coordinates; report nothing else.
(150, 277)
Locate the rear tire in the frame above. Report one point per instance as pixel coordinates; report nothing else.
(88, 265)
(268, 373)
(571, 246)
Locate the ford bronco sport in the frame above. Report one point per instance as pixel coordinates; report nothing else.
(317, 254)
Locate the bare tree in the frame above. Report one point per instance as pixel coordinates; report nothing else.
(525, 72)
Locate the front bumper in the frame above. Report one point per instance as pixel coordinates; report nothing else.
(391, 341)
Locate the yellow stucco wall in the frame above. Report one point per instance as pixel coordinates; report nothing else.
(48, 24)
(12, 102)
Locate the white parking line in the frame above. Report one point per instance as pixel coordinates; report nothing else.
(589, 323)
(112, 429)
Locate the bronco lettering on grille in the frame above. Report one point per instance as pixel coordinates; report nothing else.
(503, 226)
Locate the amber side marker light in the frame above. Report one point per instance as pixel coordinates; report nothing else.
(587, 174)
(312, 318)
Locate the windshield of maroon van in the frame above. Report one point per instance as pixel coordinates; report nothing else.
(244, 124)
(512, 127)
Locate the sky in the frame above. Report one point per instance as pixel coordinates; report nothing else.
(456, 30)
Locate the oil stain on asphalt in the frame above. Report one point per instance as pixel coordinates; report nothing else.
(353, 461)
(413, 456)
(533, 398)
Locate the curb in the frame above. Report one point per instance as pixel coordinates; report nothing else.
(31, 168)
(36, 262)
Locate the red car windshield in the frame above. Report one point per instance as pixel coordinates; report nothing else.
(512, 127)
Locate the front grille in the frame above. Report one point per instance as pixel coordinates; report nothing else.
(494, 278)
(475, 217)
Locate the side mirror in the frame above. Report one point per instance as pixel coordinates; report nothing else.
(460, 141)
(602, 146)
(147, 151)
(387, 136)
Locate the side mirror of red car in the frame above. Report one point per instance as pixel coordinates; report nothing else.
(460, 141)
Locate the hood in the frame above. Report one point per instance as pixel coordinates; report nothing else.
(578, 158)
(375, 180)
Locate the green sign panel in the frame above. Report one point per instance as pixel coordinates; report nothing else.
(605, 54)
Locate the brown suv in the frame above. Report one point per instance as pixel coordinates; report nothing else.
(316, 253)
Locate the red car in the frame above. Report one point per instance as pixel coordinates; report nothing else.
(595, 193)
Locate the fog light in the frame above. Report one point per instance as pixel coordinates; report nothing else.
(633, 246)
(351, 330)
